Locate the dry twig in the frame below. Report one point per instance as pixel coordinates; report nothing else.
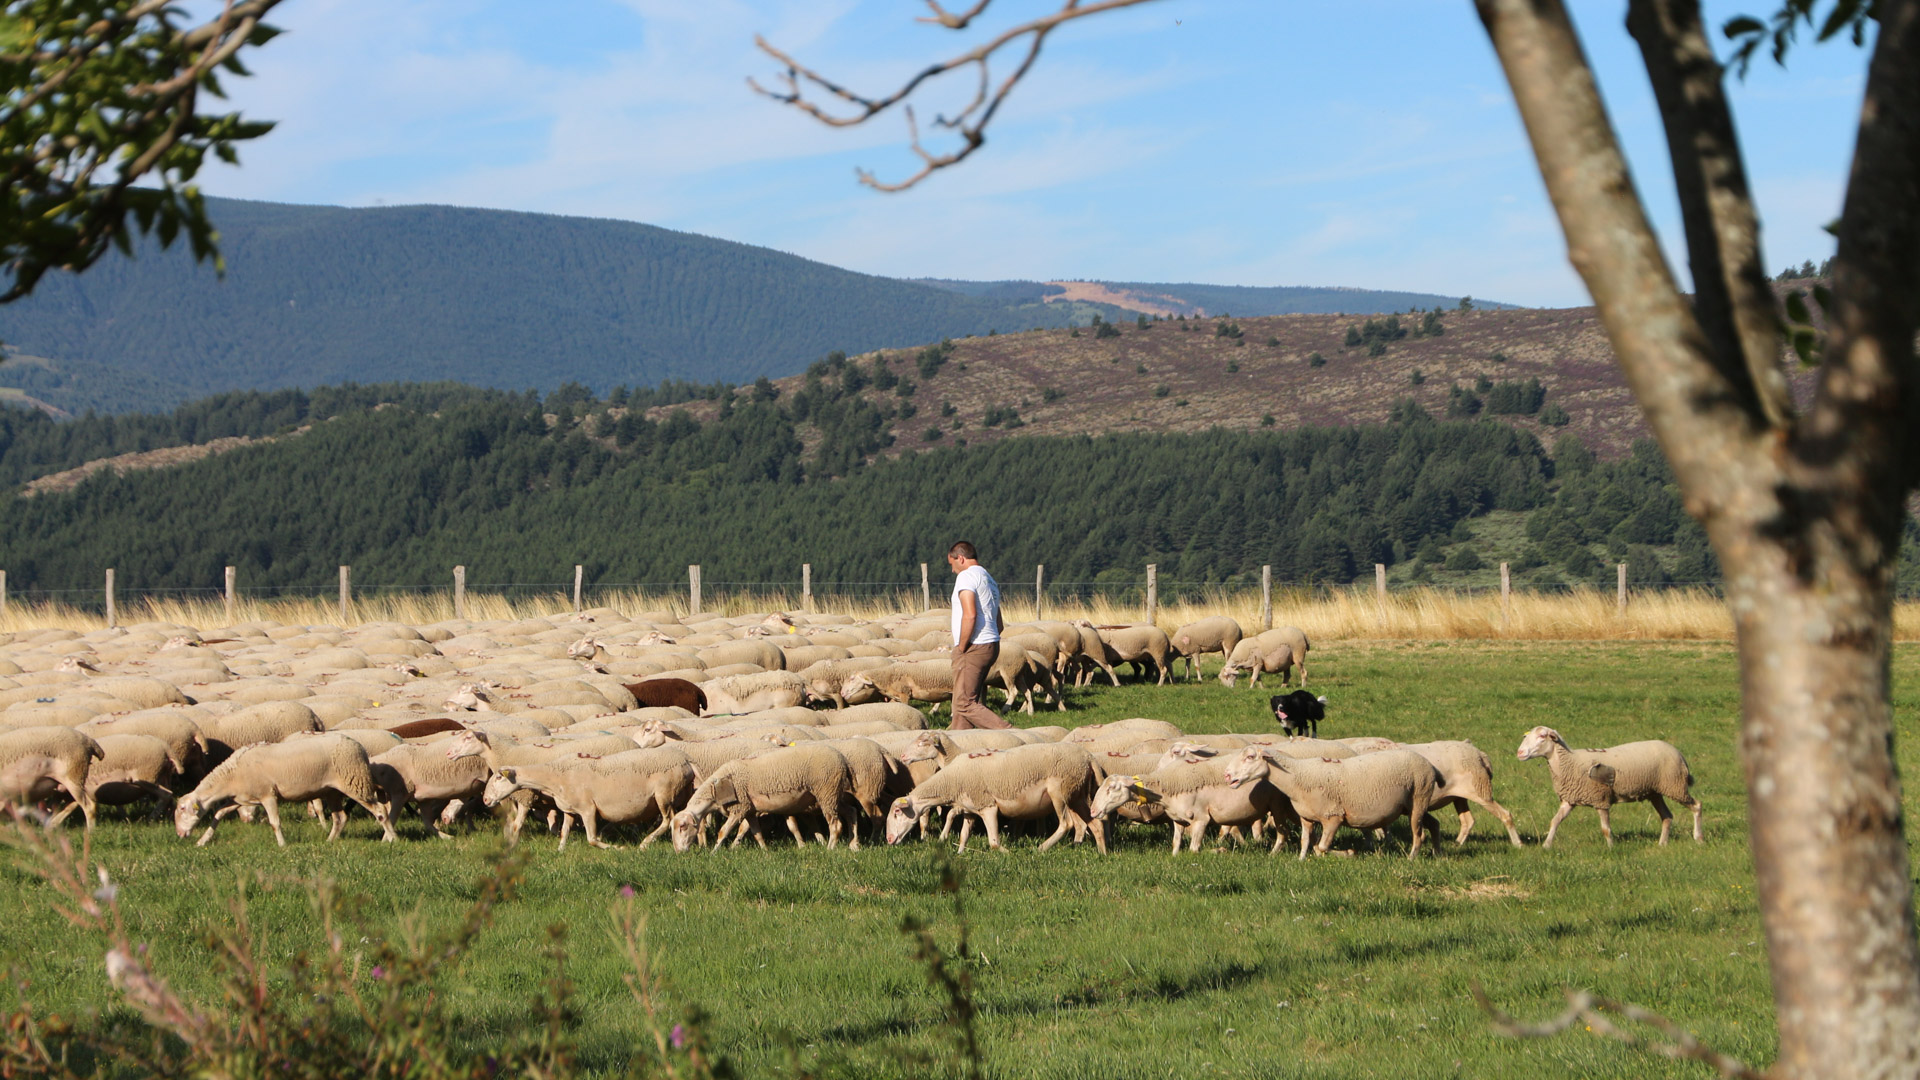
(1586, 1009)
(970, 123)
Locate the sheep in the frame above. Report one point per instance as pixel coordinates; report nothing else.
(734, 694)
(1366, 792)
(186, 743)
(1257, 656)
(631, 786)
(924, 680)
(1137, 644)
(331, 769)
(1465, 774)
(1215, 633)
(1192, 794)
(762, 654)
(269, 721)
(502, 750)
(878, 777)
(1091, 654)
(675, 693)
(1019, 782)
(902, 717)
(425, 775)
(1298, 713)
(825, 678)
(1017, 672)
(420, 729)
(131, 768)
(1652, 771)
(35, 762)
(787, 781)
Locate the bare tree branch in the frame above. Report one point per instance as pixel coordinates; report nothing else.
(1732, 298)
(1586, 1010)
(970, 124)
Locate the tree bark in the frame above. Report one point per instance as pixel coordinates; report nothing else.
(1803, 512)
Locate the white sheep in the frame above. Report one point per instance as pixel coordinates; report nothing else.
(131, 768)
(1465, 775)
(1193, 795)
(1651, 771)
(1138, 644)
(785, 781)
(1020, 782)
(923, 680)
(1367, 792)
(1019, 672)
(735, 694)
(269, 721)
(423, 774)
(331, 769)
(1142, 726)
(186, 743)
(500, 751)
(634, 786)
(37, 762)
(1257, 656)
(1213, 634)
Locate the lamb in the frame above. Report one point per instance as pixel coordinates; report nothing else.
(631, 786)
(1652, 771)
(786, 781)
(1020, 782)
(1139, 645)
(924, 680)
(675, 693)
(1266, 654)
(186, 744)
(1193, 794)
(35, 762)
(1298, 713)
(1213, 634)
(425, 775)
(329, 769)
(825, 678)
(1367, 792)
(734, 694)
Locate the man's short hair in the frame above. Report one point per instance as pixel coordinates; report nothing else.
(963, 549)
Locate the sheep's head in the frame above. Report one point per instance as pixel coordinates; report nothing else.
(686, 825)
(924, 747)
(499, 786)
(1250, 764)
(859, 689)
(900, 819)
(1117, 791)
(1230, 671)
(1538, 743)
(1183, 752)
(466, 744)
(584, 649)
(186, 814)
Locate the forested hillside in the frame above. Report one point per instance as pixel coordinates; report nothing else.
(403, 482)
(318, 295)
(1193, 299)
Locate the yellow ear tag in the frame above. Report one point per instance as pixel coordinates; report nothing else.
(793, 629)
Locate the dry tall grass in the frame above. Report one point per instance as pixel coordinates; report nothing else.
(1423, 614)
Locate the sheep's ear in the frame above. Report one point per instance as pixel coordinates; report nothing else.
(510, 775)
(1323, 699)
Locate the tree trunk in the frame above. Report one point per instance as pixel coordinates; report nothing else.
(1803, 511)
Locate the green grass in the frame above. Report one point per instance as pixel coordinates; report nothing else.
(1137, 965)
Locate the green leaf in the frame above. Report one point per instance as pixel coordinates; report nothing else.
(1824, 297)
(1797, 307)
(1742, 25)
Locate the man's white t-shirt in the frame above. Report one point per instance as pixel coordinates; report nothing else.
(986, 605)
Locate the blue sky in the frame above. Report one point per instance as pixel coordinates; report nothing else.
(1366, 143)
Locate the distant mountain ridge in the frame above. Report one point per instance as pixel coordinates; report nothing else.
(319, 295)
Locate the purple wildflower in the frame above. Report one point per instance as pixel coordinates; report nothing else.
(626, 892)
(677, 1037)
(378, 972)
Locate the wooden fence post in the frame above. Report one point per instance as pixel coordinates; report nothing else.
(346, 592)
(231, 579)
(693, 588)
(1380, 591)
(112, 621)
(460, 592)
(1506, 598)
(579, 578)
(926, 589)
(806, 585)
(1266, 598)
(1621, 601)
(1153, 591)
(1039, 588)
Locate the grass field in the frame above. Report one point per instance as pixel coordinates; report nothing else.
(1225, 963)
